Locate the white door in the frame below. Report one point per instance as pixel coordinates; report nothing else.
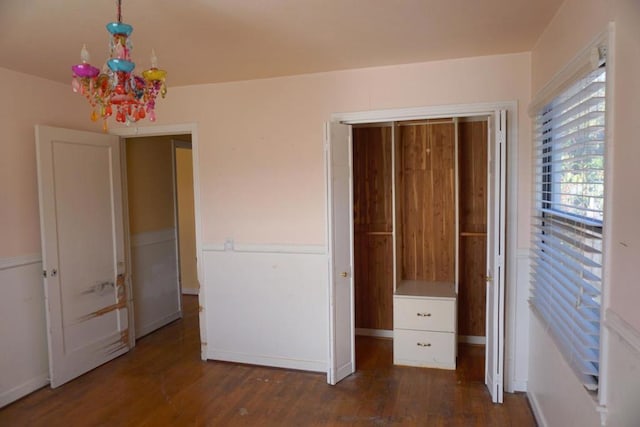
(154, 263)
(82, 250)
(341, 315)
(494, 361)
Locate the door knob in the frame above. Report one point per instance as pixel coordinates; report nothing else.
(344, 274)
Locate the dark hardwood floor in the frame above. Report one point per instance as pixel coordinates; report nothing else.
(163, 382)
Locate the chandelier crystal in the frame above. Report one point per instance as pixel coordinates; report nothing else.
(116, 89)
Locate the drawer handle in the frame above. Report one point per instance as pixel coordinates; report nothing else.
(424, 314)
(422, 344)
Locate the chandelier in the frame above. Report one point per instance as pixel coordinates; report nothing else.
(115, 89)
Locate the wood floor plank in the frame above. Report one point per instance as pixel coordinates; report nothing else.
(163, 382)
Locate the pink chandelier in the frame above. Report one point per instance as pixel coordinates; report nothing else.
(115, 89)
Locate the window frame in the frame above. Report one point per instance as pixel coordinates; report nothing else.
(546, 177)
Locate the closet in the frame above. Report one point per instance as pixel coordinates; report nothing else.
(419, 215)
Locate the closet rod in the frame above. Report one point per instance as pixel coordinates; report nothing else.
(472, 234)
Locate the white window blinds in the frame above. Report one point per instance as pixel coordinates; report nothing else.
(567, 228)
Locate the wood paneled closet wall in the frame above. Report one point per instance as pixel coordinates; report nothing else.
(435, 222)
(472, 208)
(373, 227)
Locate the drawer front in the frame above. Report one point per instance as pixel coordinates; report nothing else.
(426, 349)
(424, 314)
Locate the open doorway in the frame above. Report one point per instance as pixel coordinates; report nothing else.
(87, 251)
(161, 228)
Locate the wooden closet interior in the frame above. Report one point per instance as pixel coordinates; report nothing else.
(420, 227)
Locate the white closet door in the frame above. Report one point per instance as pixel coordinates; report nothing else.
(83, 251)
(494, 363)
(340, 226)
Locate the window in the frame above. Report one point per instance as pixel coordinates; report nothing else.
(568, 218)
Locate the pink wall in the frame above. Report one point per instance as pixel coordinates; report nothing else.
(575, 25)
(261, 152)
(260, 142)
(27, 101)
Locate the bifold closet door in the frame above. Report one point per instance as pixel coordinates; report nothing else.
(373, 227)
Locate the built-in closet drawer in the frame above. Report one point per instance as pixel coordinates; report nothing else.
(424, 324)
(424, 348)
(424, 314)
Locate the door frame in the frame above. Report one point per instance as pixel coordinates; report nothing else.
(460, 110)
(175, 144)
(167, 130)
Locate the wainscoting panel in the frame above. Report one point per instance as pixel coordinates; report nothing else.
(623, 371)
(156, 294)
(556, 395)
(517, 329)
(267, 305)
(24, 365)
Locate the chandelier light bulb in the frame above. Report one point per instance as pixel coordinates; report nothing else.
(84, 54)
(154, 59)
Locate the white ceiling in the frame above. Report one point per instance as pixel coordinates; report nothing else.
(205, 41)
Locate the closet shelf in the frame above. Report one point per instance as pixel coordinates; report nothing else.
(376, 233)
(426, 288)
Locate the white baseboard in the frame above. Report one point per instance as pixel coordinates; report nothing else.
(470, 339)
(190, 291)
(520, 386)
(379, 333)
(537, 411)
(271, 361)
(147, 329)
(345, 370)
(22, 390)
